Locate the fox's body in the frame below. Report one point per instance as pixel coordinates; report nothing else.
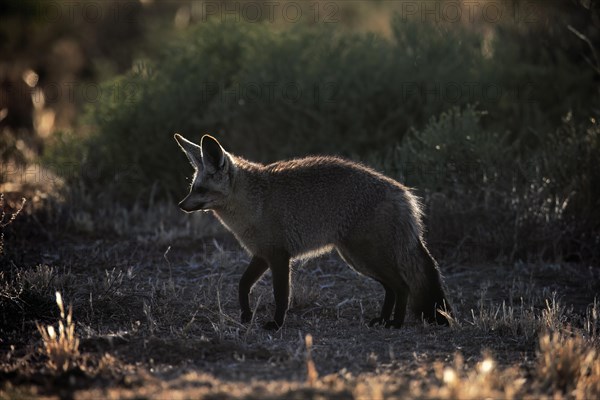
(304, 207)
(310, 205)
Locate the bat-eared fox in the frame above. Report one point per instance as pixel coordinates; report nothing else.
(305, 207)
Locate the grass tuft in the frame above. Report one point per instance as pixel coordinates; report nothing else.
(486, 380)
(569, 364)
(311, 370)
(7, 219)
(62, 348)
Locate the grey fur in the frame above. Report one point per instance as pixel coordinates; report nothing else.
(304, 207)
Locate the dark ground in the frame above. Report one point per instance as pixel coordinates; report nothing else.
(157, 316)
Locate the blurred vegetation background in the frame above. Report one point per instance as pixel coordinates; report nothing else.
(490, 110)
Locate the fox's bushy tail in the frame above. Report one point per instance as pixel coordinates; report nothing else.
(430, 297)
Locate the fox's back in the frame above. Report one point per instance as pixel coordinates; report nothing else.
(308, 204)
(331, 189)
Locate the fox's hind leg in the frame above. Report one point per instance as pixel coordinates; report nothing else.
(393, 298)
(386, 308)
(254, 271)
(400, 311)
(379, 265)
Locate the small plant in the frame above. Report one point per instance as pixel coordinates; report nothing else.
(569, 364)
(484, 381)
(62, 348)
(311, 370)
(4, 221)
(519, 320)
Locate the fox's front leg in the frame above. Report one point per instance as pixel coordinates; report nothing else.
(254, 271)
(280, 268)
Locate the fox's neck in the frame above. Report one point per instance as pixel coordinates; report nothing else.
(244, 206)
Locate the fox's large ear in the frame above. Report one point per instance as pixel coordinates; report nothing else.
(191, 150)
(213, 155)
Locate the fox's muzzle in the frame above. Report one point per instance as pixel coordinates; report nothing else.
(190, 205)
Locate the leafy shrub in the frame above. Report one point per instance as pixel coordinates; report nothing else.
(567, 187)
(468, 178)
(266, 94)
(404, 102)
(270, 94)
(486, 199)
(453, 151)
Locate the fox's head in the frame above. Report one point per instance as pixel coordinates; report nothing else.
(213, 173)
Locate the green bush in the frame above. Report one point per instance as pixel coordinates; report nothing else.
(132, 149)
(467, 177)
(268, 95)
(403, 102)
(453, 151)
(567, 188)
(486, 199)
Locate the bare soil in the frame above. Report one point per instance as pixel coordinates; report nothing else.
(159, 318)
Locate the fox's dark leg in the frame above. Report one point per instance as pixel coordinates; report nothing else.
(361, 261)
(400, 311)
(280, 268)
(254, 271)
(387, 307)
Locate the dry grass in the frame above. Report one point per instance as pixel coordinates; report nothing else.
(485, 380)
(62, 348)
(311, 371)
(157, 316)
(7, 218)
(568, 360)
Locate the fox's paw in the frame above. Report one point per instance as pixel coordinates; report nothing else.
(378, 321)
(393, 323)
(246, 317)
(386, 323)
(271, 326)
(441, 319)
